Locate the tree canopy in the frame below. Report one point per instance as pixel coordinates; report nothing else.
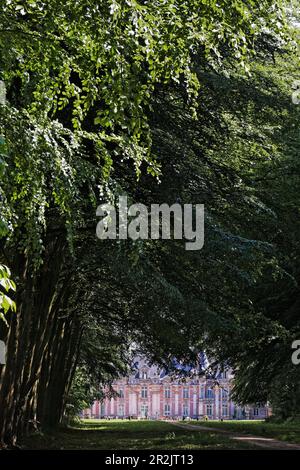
(161, 101)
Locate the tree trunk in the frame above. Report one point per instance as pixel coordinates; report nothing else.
(28, 338)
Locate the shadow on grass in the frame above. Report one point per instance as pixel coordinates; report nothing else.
(130, 435)
(286, 431)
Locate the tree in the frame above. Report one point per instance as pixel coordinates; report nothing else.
(80, 81)
(230, 159)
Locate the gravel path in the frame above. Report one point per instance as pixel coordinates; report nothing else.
(263, 442)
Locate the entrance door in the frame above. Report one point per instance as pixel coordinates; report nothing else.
(144, 411)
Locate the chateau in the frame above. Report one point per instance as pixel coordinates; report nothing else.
(150, 392)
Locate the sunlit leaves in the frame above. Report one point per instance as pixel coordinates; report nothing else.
(6, 285)
(108, 56)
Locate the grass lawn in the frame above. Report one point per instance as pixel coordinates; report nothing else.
(289, 432)
(128, 435)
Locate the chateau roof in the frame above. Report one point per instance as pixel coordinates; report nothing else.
(141, 366)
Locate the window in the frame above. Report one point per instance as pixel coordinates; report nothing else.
(144, 411)
(209, 393)
(224, 410)
(223, 375)
(209, 409)
(144, 375)
(256, 411)
(121, 410)
(167, 410)
(167, 392)
(185, 392)
(202, 392)
(121, 393)
(144, 392)
(102, 411)
(185, 410)
(224, 394)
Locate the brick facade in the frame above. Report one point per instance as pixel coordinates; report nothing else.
(150, 392)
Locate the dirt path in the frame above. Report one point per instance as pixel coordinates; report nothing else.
(263, 442)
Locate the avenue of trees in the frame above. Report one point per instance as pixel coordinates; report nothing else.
(162, 101)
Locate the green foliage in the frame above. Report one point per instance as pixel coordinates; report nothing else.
(102, 61)
(44, 171)
(238, 159)
(6, 285)
(82, 393)
(94, 68)
(100, 93)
